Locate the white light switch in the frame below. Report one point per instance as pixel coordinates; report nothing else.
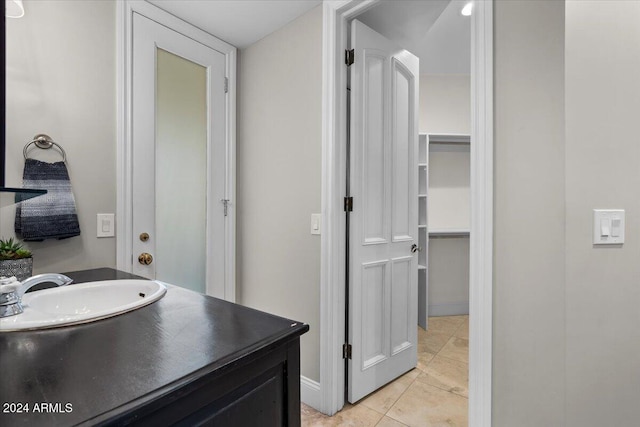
(316, 223)
(605, 227)
(616, 225)
(106, 225)
(608, 226)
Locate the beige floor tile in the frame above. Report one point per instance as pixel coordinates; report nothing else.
(445, 324)
(460, 318)
(431, 342)
(311, 417)
(447, 374)
(411, 375)
(433, 394)
(425, 405)
(349, 416)
(423, 360)
(383, 399)
(463, 330)
(389, 422)
(456, 348)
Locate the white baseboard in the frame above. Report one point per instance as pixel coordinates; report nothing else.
(449, 309)
(310, 393)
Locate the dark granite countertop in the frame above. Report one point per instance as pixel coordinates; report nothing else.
(86, 374)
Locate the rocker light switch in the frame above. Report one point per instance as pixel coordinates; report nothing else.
(106, 225)
(316, 220)
(616, 226)
(608, 226)
(605, 227)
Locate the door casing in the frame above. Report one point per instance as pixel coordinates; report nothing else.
(336, 15)
(124, 168)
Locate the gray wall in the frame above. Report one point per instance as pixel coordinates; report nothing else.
(566, 317)
(602, 171)
(61, 81)
(278, 163)
(529, 272)
(445, 104)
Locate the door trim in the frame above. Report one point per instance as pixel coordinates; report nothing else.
(124, 62)
(336, 14)
(481, 232)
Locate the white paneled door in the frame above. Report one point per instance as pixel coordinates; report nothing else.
(179, 159)
(383, 270)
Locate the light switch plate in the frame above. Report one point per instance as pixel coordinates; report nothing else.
(316, 223)
(106, 225)
(608, 226)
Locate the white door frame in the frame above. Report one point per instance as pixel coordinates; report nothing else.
(336, 14)
(124, 165)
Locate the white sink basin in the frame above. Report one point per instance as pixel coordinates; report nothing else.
(82, 303)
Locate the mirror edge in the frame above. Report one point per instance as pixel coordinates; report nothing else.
(2, 95)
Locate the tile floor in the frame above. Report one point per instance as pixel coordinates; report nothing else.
(433, 394)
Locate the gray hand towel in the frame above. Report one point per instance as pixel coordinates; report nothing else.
(52, 215)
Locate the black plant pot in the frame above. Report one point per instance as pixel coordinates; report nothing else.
(20, 268)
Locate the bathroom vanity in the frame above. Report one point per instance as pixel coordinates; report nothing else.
(186, 359)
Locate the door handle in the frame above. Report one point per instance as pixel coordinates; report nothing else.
(145, 258)
(415, 248)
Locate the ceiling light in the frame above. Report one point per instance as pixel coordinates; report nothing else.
(466, 10)
(13, 9)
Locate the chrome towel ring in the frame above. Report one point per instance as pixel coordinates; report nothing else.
(45, 142)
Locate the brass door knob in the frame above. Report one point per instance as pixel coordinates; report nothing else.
(145, 258)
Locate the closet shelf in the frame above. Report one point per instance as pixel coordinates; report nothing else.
(449, 139)
(449, 232)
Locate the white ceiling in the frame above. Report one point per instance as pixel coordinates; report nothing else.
(434, 30)
(238, 22)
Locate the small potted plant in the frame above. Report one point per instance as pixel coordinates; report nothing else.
(15, 259)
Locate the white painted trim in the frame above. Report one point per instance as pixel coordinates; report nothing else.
(310, 392)
(332, 299)
(168, 20)
(124, 52)
(230, 231)
(481, 236)
(124, 206)
(449, 309)
(332, 266)
(332, 238)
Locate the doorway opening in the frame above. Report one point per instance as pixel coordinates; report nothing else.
(180, 93)
(479, 155)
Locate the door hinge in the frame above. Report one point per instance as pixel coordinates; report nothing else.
(349, 57)
(226, 203)
(346, 351)
(348, 204)
(226, 85)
